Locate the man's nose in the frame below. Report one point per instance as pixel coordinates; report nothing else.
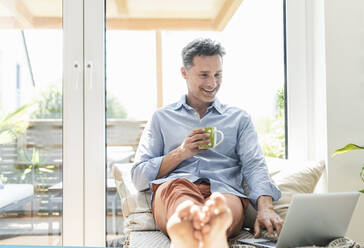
(212, 82)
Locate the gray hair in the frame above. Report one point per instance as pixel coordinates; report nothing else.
(201, 47)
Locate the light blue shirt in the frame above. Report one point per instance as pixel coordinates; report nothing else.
(239, 155)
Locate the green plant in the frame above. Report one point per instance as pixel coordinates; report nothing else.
(35, 171)
(272, 131)
(348, 148)
(49, 104)
(114, 109)
(272, 137)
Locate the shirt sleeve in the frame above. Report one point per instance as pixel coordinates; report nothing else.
(254, 167)
(149, 155)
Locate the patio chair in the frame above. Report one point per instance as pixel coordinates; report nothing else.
(15, 197)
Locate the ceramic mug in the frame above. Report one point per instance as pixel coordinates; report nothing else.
(213, 138)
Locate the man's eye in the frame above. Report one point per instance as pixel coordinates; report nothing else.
(218, 75)
(203, 75)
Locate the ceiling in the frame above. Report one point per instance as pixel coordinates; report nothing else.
(125, 14)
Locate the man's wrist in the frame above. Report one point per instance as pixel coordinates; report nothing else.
(178, 155)
(265, 202)
(170, 162)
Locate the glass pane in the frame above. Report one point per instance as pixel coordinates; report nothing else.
(127, 76)
(31, 122)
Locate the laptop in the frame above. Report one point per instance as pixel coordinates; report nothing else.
(313, 219)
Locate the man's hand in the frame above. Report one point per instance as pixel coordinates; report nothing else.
(190, 145)
(187, 149)
(267, 217)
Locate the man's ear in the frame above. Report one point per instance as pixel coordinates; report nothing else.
(184, 72)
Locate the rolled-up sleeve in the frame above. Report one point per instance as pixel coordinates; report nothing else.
(254, 167)
(149, 155)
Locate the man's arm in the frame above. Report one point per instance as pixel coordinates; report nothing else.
(151, 163)
(149, 155)
(254, 169)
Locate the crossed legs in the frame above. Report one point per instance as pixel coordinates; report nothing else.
(193, 217)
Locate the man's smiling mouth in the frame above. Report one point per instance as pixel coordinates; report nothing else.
(208, 91)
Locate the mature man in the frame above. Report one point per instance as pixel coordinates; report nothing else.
(198, 197)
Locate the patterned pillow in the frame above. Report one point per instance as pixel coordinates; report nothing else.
(135, 205)
(132, 201)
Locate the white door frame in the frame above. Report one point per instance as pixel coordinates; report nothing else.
(83, 123)
(73, 137)
(94, 126)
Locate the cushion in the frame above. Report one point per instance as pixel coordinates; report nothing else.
(132, 201)
(139, 222)
(290, 176)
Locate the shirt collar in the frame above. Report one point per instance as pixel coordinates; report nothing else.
(182, 102)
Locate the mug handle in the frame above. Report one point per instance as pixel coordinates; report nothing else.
(222, 137)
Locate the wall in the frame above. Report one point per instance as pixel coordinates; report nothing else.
(344, 32)
(325, 72)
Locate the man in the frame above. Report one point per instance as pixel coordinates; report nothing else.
(198, 197)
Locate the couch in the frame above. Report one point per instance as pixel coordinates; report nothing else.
(290, 176)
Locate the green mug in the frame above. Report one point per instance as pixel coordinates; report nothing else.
(213, 138)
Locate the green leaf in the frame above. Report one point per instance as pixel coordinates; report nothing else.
(362, 191)
(45, 170)
(347, 148)
(362, 174)
(27, 171)
(35, 157)
(17, 113)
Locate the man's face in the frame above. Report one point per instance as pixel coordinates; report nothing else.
(203, 78)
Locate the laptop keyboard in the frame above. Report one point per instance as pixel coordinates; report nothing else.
(269, 243)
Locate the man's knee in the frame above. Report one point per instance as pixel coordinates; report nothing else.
(174, 192)
(237, 208)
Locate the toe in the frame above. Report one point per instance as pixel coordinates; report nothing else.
(219, 203)
(184, 209)
(197, 235)
(205, 229)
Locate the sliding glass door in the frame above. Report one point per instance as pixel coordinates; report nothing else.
(41, 122)
(77, 88)
(31, 123)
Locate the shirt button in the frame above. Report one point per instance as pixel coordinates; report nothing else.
(196, 113)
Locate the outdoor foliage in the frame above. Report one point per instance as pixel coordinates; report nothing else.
(272, 131)
(12, 125)
(50, 106)
(114, 109)
(34, 171)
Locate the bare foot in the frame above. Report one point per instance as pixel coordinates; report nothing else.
(183, 226)
(217, 219)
